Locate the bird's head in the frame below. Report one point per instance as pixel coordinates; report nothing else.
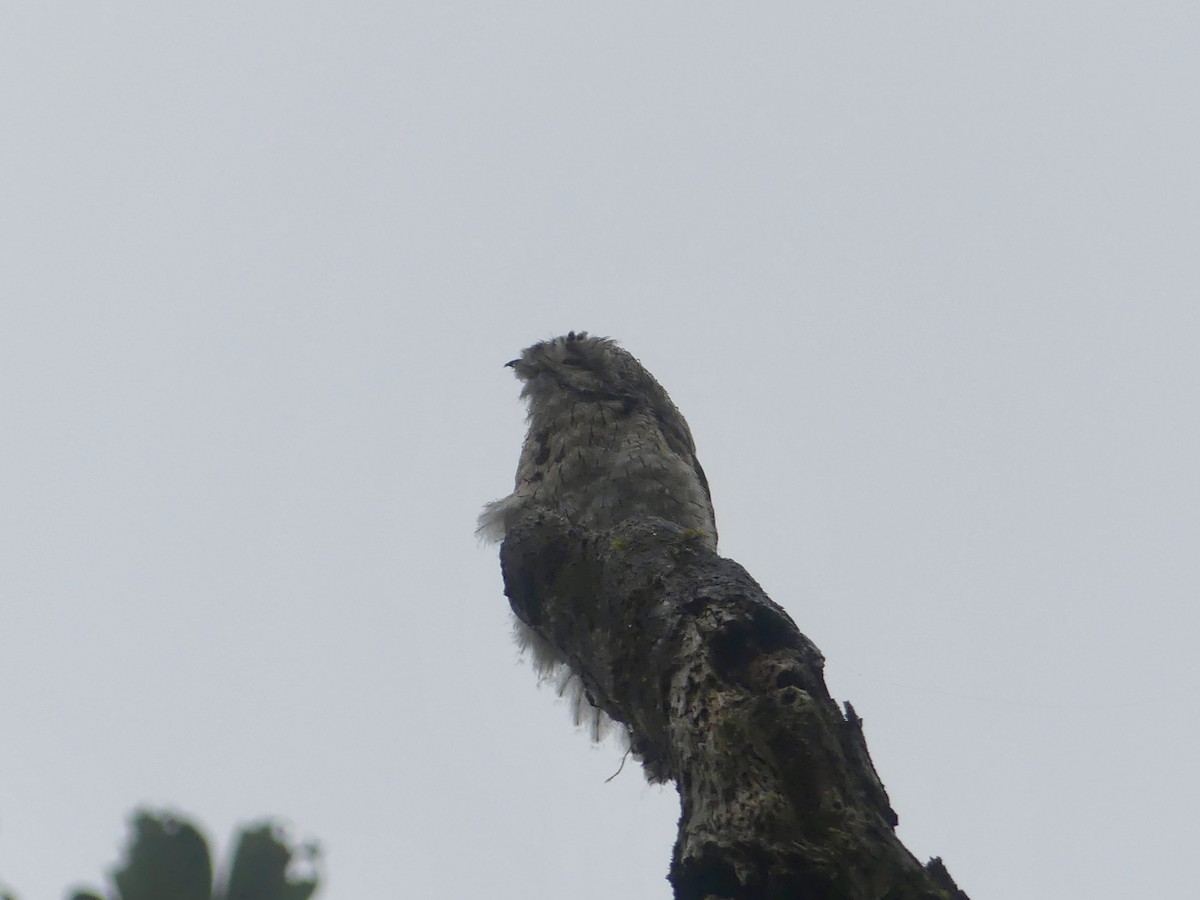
(577, 363)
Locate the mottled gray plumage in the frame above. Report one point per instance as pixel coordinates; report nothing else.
(605, 443)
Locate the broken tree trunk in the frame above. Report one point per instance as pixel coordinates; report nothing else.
(725, 697)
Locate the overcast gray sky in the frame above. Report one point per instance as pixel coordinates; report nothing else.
(923, 278)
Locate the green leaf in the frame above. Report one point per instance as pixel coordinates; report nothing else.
(260, 864)
(167, 859)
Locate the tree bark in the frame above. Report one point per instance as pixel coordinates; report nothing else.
(725, 697)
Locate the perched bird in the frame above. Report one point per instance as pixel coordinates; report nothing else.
(605, 443)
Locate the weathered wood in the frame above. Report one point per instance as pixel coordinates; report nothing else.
(725, 697)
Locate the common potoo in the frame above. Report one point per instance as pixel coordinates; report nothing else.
(605, 443)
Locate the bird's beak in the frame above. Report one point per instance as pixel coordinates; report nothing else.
(511, 363)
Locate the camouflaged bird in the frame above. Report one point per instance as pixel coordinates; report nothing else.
(605, 443)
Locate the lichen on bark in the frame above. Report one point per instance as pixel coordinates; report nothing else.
(724, 696)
